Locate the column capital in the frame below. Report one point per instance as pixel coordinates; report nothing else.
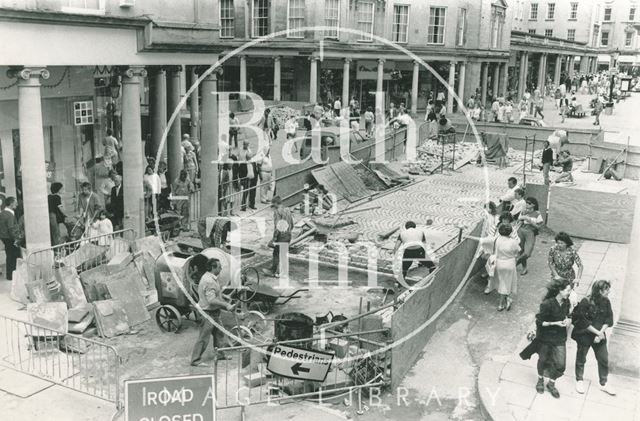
(313, 58)
(26, 73)
(154, 70)
(200, 70)
(276, 58)
(134, 71)
(348, 60)
(381, 61)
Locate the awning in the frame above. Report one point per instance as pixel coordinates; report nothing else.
(604, 58)
(628, 59)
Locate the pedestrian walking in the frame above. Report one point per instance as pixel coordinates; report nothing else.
(562, 258)
(182, 189)
(152, 188)
(234, 128)
(591, 319)
(56, 216)
(506, 250)
(212, 301)
(597, 110)
(191, 163)
(539, 106)
(282, 227)
(552, 321)
(547, 161)
(10, 234)
(530, 223)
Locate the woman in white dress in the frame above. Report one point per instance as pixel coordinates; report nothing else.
(506, 250)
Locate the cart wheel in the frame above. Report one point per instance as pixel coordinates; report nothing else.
(250, 281)
(255, 321)
(168, 318)
(242, 332)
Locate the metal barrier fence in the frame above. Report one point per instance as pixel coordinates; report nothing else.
(40, 263)
(71, 361)
(243, 379)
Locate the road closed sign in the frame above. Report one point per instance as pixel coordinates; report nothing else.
(298, 363)
(187, 398)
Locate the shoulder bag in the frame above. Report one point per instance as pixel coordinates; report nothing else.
(490, 266)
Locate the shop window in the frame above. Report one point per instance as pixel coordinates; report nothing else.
(295, 19)
(85, 7)
(227, 17)
(435, 34)
(82, 113)
(400, 23)
(365, 20)
(571, 35)
(260, 18)
(331, 18)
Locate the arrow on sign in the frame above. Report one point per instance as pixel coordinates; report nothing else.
(297, 368)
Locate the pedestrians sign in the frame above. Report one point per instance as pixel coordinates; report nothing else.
(297, 363)
(187, 398)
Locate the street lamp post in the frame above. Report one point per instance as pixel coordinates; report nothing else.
(615, 55)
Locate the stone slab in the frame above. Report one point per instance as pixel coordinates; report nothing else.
(20, 384)
(552, 409)
(595, 411)
(517, 394)
(520, 374)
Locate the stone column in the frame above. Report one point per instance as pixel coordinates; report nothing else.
(541, 72)
(276, 80)
(313, 80)
(624, 344)
(380, 85)
(132, 163)
(452, 86)
(485, 81)
(414, 87)
(524, 70)
(174, 147)
(32, 157)
(209, 145)
(243, 76)
(496, 80)
(504, 78)
(345, 81)
(558, 70)
(158, 109)
(194, 105)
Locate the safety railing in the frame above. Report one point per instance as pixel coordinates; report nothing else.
(243, 379)
(71, 361)
(83, 254)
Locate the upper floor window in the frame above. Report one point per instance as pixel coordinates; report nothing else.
(533, 11)
(435, 32)
(604, 39)
(548, 33)
(596, 34)
(462, 27)
(532, 31)
(227, 16)
(295, 19)
(85, 7)
(573, 14)
(632, 14)
(260, 18)
(400, 29)
(497, 26)
(331, 18)
(551, 11)
(571, 34)
(366, 10)
(628, 40)
(607, 14)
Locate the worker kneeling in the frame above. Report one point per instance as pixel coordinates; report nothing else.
(416, 242)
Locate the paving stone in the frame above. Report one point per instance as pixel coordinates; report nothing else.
(594, 247)
(517, 394)
(519, 413)
(20, 384)
(551, 408)
(520, 374)
(625, 398)
(594, 411)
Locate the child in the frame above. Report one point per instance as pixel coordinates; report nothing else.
(101, 227)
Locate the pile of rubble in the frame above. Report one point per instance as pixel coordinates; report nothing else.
(432, 155)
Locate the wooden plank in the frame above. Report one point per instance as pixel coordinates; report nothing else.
(541, 193)
(343, 180)
(590, 214)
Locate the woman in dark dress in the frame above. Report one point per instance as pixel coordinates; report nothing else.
(56, 216)
(591, 318)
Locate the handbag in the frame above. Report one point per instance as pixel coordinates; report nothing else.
(490, 266)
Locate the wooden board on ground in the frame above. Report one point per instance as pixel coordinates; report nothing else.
(340, 178)
(590, 214)
(541, 193)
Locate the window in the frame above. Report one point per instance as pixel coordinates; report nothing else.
(628, 40)
(227, 26)
(533, 12)
(551, 11)
(604, 40)
(548, 33)
(462, 27)
(596, 33)
(632, 14)
(260, 18)
(331, 18)
(400, 23)
(365, 20)
(85, 7)
(295, 19)
(532, 31)
(573, 15)
(571, 35)
(607, 14)
(435, 33)
(497, 26)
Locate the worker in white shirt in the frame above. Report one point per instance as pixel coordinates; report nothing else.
(518, 204)
(265, 165)
(509, 196)
(416, 241)
(337, 106)
(291, 127)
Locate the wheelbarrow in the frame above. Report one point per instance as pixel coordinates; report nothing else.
(261, 298)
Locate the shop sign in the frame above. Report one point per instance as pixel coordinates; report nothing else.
(82, 113)
(188, 398)
(368, 70)
(298, 363)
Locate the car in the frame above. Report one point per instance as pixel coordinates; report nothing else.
(532, 121)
